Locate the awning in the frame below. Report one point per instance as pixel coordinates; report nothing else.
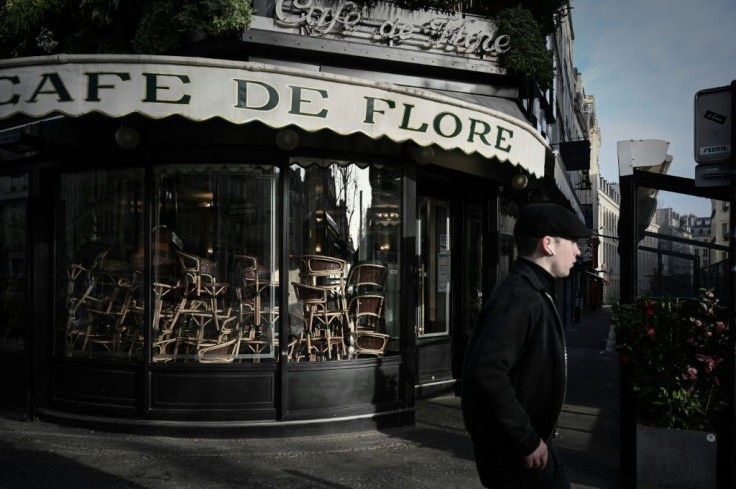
(593, 273)
(242, 92)
(597, 277)
(498, 104)
(562, 181)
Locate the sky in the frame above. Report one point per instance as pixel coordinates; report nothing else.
(644, 61)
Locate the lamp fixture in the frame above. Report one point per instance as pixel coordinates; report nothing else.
(127, 137)
(287, 139)
(519, 181)
(424, 155)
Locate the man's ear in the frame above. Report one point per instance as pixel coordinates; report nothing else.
(547, 245)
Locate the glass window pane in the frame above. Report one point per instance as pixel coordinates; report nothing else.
(683, 245)
(344, 248)
(13, 210)
(215, 264)
(506, 231)
(434, 224)
(473, 273)
(100, 219)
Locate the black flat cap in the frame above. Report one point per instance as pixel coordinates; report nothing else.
(538, 220)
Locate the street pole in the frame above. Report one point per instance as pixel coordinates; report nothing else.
(732, 289)
(627, 249)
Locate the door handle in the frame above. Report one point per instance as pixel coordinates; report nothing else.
(420, 312)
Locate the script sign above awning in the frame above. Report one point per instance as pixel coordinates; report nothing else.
(242, 92)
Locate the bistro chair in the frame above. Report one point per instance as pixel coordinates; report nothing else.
(320, 270)
(366, 312)
(200, 326)
(370, 343)
(96, 317)
(328, 273)
(323, 325)
(197, 273)
(257, 343)
(366, 277)
(255, 279)
(81, 293)
(224, 352)
(107, 316)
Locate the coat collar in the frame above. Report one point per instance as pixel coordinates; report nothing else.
(537, 276)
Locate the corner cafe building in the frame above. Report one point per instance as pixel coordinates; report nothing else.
(156, 213)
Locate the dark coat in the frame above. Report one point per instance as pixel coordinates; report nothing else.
(515, 371)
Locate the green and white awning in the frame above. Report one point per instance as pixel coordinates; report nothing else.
(242, 92)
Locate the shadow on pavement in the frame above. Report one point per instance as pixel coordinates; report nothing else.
(30, 469)
(439, 425)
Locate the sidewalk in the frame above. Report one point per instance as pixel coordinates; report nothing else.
(589, 428)
(435, 453)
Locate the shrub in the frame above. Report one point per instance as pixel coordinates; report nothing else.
(674, 356)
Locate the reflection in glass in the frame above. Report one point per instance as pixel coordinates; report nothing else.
(13, 210)
(472, 257)
(506, 236)
(99, 287)
(344, 248)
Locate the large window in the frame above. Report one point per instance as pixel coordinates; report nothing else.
(344, 248)
(215, 264)
(99, 229)
(13, 204)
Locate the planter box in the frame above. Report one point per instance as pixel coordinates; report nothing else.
(675, 459)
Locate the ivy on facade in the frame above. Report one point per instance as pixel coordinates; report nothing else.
(38, 27)
(529, 57)
(527, 22)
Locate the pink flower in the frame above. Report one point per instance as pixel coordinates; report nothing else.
(710, 362)
(720, 327)
(690, 374)
(698, 323)
(650, 331)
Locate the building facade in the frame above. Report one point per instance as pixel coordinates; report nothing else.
(295, 227)
(600, 201)
(676, 258)
(720, 229)
(609, 202)
(700, 228)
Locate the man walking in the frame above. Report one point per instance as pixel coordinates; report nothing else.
(515, 371)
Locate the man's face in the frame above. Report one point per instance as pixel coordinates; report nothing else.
(566, 251)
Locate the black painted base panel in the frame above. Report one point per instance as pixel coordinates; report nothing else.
(232, 429)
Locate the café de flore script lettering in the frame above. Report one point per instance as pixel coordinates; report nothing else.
(385, 23)
(201, 89)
